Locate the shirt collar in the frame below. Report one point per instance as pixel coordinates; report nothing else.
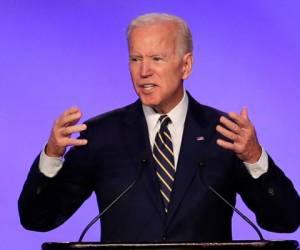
(177, 114)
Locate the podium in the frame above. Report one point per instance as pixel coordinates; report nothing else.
(234, 245)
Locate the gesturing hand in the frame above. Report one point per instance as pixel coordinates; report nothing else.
(62, 130)
(241, 133)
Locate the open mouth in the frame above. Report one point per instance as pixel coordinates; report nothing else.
(148, 86)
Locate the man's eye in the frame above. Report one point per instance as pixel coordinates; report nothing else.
(157, 58)
(136, 59)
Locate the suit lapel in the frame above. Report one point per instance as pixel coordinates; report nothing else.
(136, 140)
(195, 137)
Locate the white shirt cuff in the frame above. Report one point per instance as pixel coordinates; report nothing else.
(260, 167)
(50, 166)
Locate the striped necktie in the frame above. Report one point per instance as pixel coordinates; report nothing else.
(164, 159)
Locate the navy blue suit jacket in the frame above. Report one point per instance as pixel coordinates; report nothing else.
(110, 162)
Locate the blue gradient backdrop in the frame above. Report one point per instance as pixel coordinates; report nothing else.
(55, 54)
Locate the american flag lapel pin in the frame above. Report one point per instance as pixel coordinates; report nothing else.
(200, 138)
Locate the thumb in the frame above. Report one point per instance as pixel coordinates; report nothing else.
(244, 113)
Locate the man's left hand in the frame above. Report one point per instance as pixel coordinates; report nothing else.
(242, 136)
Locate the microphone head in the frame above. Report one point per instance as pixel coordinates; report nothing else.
(143, 157)
(201, 164)
(202, 160)
(205, 157)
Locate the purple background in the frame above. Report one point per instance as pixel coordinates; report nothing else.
(55, 54)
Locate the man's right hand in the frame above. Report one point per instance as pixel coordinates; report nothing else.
(62, 130)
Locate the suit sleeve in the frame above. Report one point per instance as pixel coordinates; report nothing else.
(45, 203)
(272, 197)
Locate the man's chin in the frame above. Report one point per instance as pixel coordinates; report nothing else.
(149, 101)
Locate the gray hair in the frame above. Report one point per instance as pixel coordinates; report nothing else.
(184, 35)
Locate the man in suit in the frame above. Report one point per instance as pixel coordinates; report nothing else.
(172, 146)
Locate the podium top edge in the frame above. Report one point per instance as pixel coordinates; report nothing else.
(172, 244)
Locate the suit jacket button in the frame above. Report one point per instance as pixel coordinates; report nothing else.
(164, 238)
(201, 164)
(271, 191)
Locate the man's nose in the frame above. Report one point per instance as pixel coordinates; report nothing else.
(146, 70)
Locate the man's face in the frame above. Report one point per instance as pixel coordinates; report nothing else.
(157, 70)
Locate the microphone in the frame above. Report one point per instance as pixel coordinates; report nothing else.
(143, 159)
(243, 216)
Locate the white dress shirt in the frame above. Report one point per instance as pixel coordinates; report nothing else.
(50, 166)
(177, 116)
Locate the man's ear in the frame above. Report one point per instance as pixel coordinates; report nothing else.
(187, 65)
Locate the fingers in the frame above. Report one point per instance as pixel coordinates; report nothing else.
(236, 129)
(241, 136)
(227, 145)
(232, 126)
(235, 140)
(67, 131)
(74, 142)
(244, 113)
(240, 119)
(69, 117)
(228, 134)
(62, 131)
(238, 122)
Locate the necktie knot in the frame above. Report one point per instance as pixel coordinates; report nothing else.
(164, 121)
